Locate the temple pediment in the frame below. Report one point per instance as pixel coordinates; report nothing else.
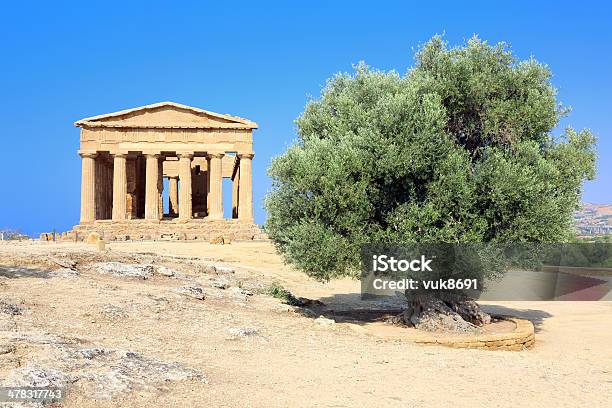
(166, 115)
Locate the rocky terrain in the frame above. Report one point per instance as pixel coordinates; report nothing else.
(193, 324)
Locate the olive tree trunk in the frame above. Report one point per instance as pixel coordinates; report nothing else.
(442, 312)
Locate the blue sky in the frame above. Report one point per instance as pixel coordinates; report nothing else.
(62, 61)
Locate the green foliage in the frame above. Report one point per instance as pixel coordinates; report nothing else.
(579, 253)
(277, 291)
(457, 150)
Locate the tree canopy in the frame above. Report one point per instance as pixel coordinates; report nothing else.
(459, 149)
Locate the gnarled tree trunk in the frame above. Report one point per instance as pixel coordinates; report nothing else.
(443, 312)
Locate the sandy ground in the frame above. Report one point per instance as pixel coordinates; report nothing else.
(289, 359)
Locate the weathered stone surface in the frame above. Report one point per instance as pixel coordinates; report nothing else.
(123, 269)
(240, 293)
(522, 338)
(121, 371)
(65, 273)
(195, 292)
(194, 229)
(10, 309)
(216, 240)
(223, 269)
(64, 262)
(122, 187)
(35, 376)
(164, 271)
(6, 348)
(220, 283)
(242, 331)
(113, 312)
(324, 321)
(100, 373)
(93, 238)
(7, 323)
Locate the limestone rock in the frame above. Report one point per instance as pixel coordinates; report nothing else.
(240, 294)
(93, 238)
(124, 270)
(101, 373)
(242, 332)
(324, 321)
(35, 376)
(7, 323)
(195, 292)
(216, 240)
(113, 312)
(10, 309)
(164, 271)
(220, 283)
(64, 262)
(6, 348)
(65, 273)
(223, 269)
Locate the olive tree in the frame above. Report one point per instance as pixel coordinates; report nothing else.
(458, 150)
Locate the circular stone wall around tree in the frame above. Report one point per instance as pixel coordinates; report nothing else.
(522, 337)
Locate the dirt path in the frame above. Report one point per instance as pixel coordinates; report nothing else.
(162, 346)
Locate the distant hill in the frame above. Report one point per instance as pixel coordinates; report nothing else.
(594, 219)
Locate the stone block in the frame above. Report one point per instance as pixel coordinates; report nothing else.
(200, 230)
(93, 238)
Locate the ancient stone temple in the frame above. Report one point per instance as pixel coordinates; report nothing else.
(128, 157)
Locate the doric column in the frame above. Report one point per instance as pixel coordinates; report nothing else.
(119, 187)
(216, 186)
(245, 206)
(88, 187)
(160, 187)
(130, 206)
(206, 189)
(151, 192)
(207, 186)
(235, 193)
(185, 204)
(173, 200)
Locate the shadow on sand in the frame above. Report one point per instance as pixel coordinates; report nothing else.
(535, 316)
(349, 307)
